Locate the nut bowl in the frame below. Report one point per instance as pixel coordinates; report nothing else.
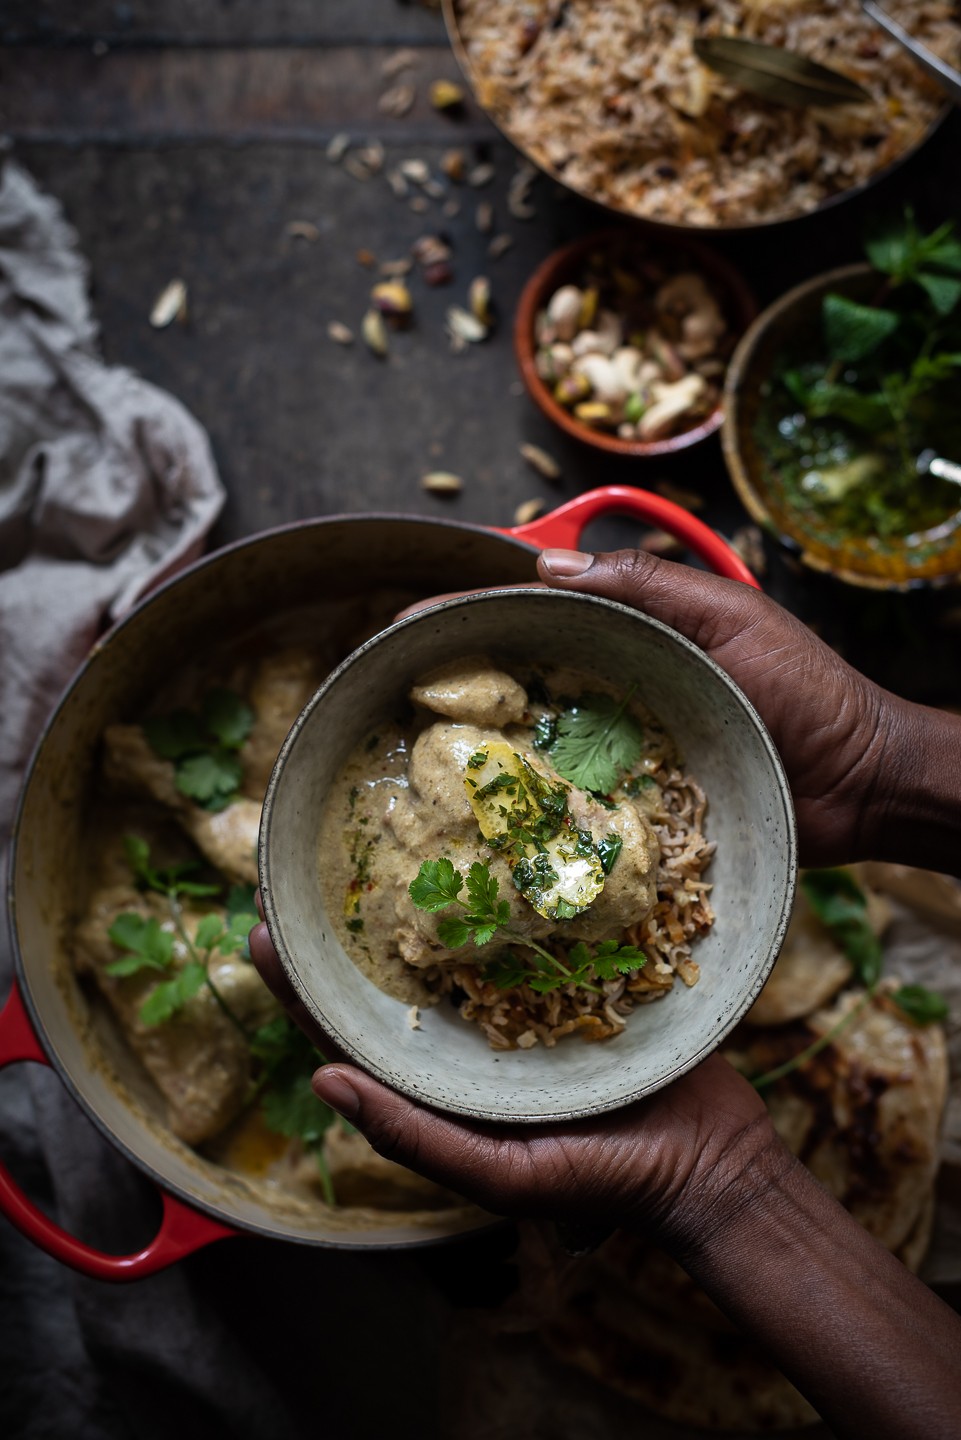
(445, 1062)
(787, 332)
(623, 342)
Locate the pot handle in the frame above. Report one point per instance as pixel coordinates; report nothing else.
(562, 528)
(182, 1229)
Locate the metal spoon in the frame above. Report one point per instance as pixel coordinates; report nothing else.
(929, 462)
(939, 70)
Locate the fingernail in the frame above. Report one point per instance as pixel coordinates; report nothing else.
(566, 562)
(338, 1094)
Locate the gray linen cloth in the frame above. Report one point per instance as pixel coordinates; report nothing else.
(107, 485)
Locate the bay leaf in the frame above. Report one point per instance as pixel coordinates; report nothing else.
(777, 74)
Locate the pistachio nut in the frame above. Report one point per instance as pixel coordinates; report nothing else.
(393, 299)
(479, 299)
(594, 412)
(571, 389)
(446, 95)
(441, 482)
(606, 381)
(589, 303)
(564, 311)
(374, 332)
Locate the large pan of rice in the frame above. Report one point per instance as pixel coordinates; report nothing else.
(611, 100)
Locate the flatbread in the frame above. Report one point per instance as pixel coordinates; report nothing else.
(864, 1115)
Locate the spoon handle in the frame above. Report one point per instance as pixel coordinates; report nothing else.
(939, 70)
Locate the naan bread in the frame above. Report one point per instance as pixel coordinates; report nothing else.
(811, 966)
(864, 1116)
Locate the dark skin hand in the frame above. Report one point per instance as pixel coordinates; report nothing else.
(698, 1167)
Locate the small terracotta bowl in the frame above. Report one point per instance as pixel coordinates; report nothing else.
(791, 326)
(447, 1063)
(633, 251)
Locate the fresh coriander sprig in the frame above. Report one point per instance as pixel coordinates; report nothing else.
(842, 907)
(287, 1101)
(595, 742)
(147, 945)
(203, 747)
(438, 885)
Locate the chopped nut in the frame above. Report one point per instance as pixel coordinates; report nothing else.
(170, 305)
(564, 310)
(481, 175)
(434, 189)
(367, 258)
(438, 273)
(479, 300)
(518, 191)
(540, 461)
(413, 1017)
(393, 299)
(400, 60)
(398, 184)
(659, 542)
(397, 101)
(594, 412)
(687, 499)
(417, 171)
(338, 148)
(528, 510)
(571, 389)
(341, 333)
(429, 249)
(465, 326)
(442, 482)
(453, 163)
(419, 204)
(374, 332)
(451, 208)
(500, 245)
(393, 269)
(446, 95)
(302, 230)
(484, 217)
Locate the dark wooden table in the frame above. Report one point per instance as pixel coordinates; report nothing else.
(188, 140)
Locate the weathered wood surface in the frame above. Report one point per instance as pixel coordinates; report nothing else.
(184, 139)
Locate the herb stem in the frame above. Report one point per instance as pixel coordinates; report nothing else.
(204, 960)
(761, 1082)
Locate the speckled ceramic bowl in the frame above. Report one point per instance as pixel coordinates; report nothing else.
(447, 1063)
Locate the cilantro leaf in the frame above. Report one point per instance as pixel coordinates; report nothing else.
(597, 741)
(852, 330)
(202, 746)
(149, 946)
(453, 933)
(920, 1004)
(436, 885)
(482, 889)
(841, 905)
(169, 996)
(291, 1108)
(211, 778)
(167, 880)
(209, 931)
(227, 717)
(175, 735)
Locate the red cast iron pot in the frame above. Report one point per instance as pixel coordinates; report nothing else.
(49, 1019)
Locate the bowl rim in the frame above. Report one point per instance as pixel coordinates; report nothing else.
(678, 228)
(351, 1049)
(551, 270)
(748, 491)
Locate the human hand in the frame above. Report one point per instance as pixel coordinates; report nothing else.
(838, 734)
(673, 1164)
